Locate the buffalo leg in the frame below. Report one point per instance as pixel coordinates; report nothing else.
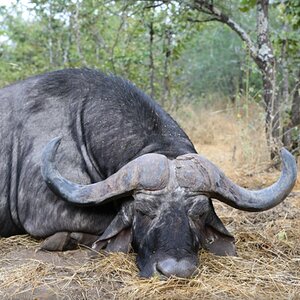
(62, 241)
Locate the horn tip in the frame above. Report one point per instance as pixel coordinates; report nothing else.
(289, 162)
(48, 156)
(285, 154)
(53, 145)
(56, 141)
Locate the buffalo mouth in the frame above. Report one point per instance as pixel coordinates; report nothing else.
(183, 268)
(169, 266)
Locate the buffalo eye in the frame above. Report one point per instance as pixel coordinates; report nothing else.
(147, 209)
(145, 213)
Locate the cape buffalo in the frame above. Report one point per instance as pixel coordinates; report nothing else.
(139, 180)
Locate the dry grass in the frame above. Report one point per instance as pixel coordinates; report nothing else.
(268, 266)
(234, 139)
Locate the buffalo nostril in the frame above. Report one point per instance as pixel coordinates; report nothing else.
(181, 268)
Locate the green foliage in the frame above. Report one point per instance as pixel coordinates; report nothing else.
(110, 35)
(246, 5)
(286, 42)
(191, 58)
(291, 11)
(219, 64)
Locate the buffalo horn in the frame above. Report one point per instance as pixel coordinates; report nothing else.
(122, 183)
(223, 189)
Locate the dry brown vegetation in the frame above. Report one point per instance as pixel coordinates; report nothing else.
(268, 243)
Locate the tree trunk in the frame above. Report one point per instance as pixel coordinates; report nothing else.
(272, 108)
(166, 80)
(50, 32)
(151, 59)
(285, 72)
(296, 102)
(262, 54)
(294, 119)
(266, 63)
(78, 33)
(286, 130)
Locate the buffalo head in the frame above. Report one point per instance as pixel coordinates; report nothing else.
(170, 216)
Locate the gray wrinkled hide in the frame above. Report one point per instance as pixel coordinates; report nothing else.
(97, 117)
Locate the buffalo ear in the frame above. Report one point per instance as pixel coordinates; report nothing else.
(215, 237)
(118, 235)
(120, 242)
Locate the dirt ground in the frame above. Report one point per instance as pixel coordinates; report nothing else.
(268, 243)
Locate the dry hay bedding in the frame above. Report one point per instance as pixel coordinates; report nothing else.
(268, 266)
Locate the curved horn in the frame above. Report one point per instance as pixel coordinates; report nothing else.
(223, 189)
(134, 175)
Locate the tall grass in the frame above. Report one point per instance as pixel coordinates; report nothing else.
(232, 136)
